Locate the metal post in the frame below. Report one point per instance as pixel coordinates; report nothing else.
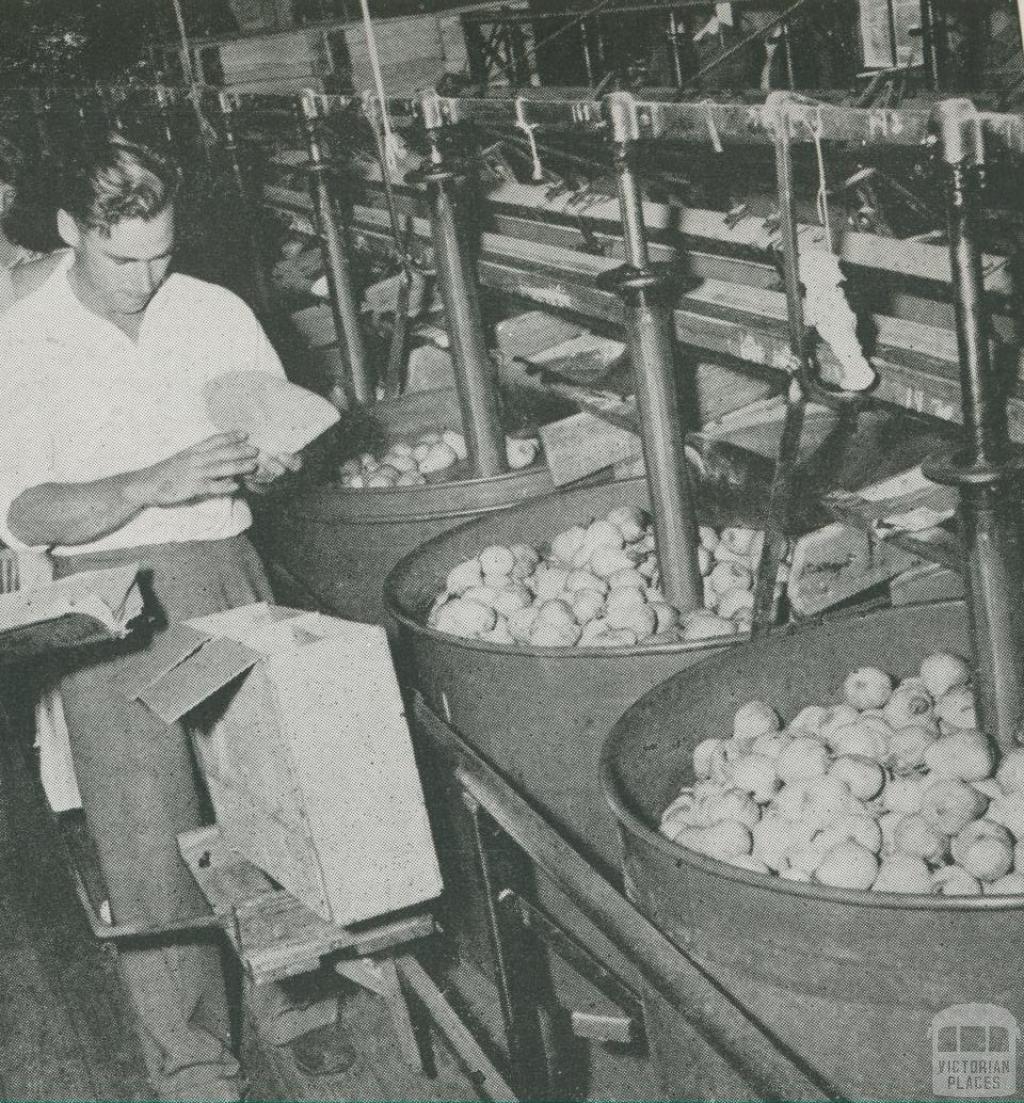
(644, 290)
(339, 274)
(673, 50)
(983, 471)
(476, 376)
(780, 498)
(929, 47)
(260, 283)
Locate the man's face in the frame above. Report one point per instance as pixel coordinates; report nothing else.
(125, 266)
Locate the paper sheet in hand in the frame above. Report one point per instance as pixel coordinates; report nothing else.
(280, 418)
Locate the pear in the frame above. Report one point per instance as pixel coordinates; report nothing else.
(915, 835)
(628, 576)
(708, 537)
(709, 757)
(465, 618)
(521, 623)
(956, 708)
(730, 576)
(512, 599)
(863, 739)
(910, 703)
(1012, 884)
(811, 718)
(733, 805)
(756, 774)
(735, 602)
(497, 560)
(1008, 810)
(666, 616)
(848, 865)
(903, 873)
(887, 825)
(549, 582)
(863, 776)
(587, 605)
(556, 612)
(631, 522)
(979, 830)
(753, 719)
(772, 840)
(955, 881)
(804, 757)
(904, 794)
(1010, 774)
(941, 672)
(907, 745)
(966, 754)
(722, 840)
(702, 625)
(949, 805)
(988, 859)
(867, 688)
(566, 544)
(740, 540)
(585, 580)
(791, 874)
(554, 635)
(465, 575)
(499, 633)
(771, 744)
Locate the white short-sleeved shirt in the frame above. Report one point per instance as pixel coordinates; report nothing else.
(83, 402)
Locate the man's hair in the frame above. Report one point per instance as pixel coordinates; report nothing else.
(117, 180)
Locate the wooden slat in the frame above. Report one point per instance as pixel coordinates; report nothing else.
(275, 935)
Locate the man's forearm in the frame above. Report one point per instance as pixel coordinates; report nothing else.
(75, 513)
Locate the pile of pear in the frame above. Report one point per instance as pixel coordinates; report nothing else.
(894, 789)
(597, 584)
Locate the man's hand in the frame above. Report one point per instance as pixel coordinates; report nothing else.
(208, 469)
(268, 469)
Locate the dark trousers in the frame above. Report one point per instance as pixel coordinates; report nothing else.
(139, 790)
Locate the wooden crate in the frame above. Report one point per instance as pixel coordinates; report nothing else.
(303, 742)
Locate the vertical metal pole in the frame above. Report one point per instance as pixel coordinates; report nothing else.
(339, 273)
(929, 50)
(780, 499)
(787, 54)
(989, 514)
(673, 50)
(258, 276)
(476, 376)
(587, 60)
(648, 314)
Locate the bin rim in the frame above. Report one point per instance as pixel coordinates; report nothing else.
(630, 822)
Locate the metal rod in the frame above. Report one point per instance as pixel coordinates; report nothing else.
(673, 50)
(476, 376)
(929, 50)
(780, 500)
(339, 274)
(260, 283)
(649, 333)
(990, 513)
(719, 1017)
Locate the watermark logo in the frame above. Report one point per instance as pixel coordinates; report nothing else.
(974, 1052)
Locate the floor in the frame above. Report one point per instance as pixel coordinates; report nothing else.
(64, 1033)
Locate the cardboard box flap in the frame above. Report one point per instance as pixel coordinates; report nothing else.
(201, 667)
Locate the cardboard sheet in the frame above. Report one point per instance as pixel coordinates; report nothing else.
(280, 418)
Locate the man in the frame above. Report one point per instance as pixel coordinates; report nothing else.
(108, 456)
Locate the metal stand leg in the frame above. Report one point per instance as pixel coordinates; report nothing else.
(983, 471)
(339, 273)
(644, 288)
(476, 376)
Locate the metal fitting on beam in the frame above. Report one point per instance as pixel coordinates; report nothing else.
(645, 289)
(341, 289)
(984, 471)
(476, 376)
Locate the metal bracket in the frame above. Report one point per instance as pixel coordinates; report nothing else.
(960, 131)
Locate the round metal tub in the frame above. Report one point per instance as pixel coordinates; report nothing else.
(539, 715)
(331, 547)
(850, 981)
